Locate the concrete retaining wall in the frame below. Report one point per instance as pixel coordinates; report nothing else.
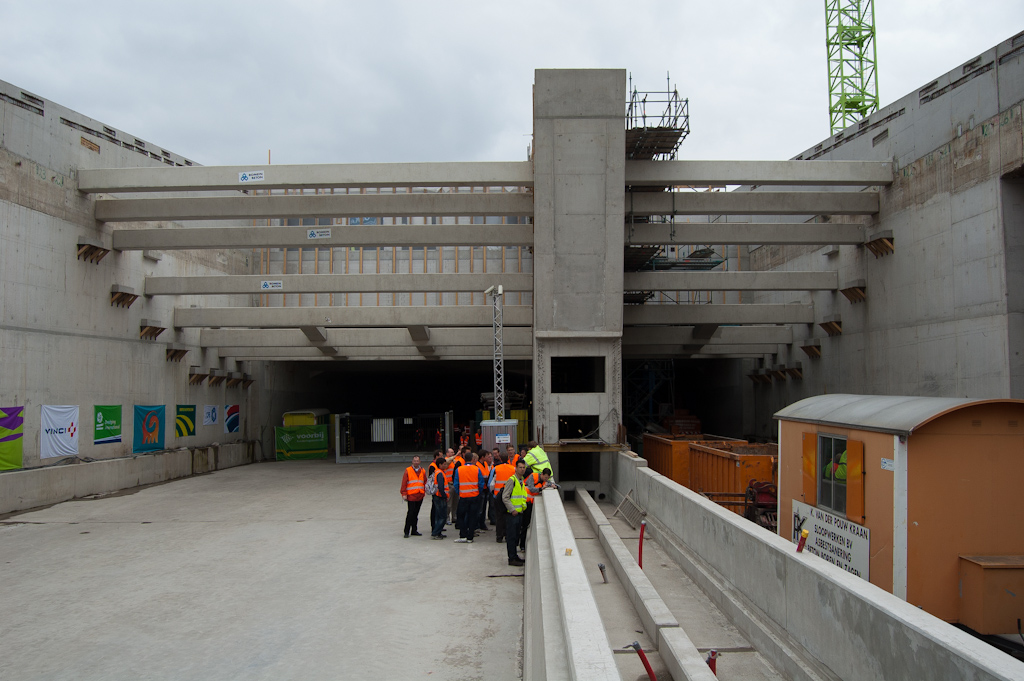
(21, 490)
(799, 611)
(564, 634)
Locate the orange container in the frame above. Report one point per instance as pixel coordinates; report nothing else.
(726, 468)
(671, 456)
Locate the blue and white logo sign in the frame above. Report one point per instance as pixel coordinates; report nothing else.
(319, 233)
(251, 176)
(271, 285)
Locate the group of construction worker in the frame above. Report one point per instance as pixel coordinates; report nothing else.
(469, 488)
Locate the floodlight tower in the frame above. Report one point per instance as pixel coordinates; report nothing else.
(499, 352)
(852, 61)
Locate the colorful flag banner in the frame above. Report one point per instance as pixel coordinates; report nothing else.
(59, 436)
(149, 428)
(12, 423)
(185, 420)
(232, 419)
(301, 442)
(210, 415)
(107, 424)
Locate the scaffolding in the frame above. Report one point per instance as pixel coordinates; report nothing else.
(852, 61)
(656, 123)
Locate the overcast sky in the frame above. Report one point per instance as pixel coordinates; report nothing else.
(338, 81)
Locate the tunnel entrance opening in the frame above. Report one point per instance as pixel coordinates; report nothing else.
(401, 406)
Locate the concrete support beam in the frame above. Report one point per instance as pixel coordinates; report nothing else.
(737, 233)
(748, 203)
(320, 352)
(245, 207)
(684, 335)
(342, 236)
(756, 350)
(419, 333)
(364, 337)
(315, 334)
(335, 283)
(725, 281)
(704, 173)
(320, 176)
(676, 315)
(295, 317)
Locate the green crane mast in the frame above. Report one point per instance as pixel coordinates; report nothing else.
(852, 61)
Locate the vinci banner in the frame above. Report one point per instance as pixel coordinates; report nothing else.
(231, 418)
(185, 420)
(60, 431)
(12, 422)
(106, 424)
(149, 429)
(301, 442)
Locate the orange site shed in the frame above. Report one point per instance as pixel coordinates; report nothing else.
(922, 496)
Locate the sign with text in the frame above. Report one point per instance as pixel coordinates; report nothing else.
(503, 439)
(60, 430)
(319, 233)
(107, 424)
(834, 538)
(271, 285)
(301, 442)
(250, 176)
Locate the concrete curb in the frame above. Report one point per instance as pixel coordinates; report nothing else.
(674, 645)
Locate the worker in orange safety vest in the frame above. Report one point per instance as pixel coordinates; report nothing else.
(413, 489)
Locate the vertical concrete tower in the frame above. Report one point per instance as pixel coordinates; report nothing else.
(579, 180)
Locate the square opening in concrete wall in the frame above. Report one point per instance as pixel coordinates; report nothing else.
(578, 427)
(577, 374)
(579, 466)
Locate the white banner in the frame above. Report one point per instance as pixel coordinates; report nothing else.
(59, 436)
(210, 415)
(834, 538)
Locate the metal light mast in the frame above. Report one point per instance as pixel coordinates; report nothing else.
(499, 354)
(852, 57)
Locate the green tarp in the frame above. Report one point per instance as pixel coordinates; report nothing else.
(301, 442)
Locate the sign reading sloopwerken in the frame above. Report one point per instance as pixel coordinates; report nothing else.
(834, 538)
(301, 442)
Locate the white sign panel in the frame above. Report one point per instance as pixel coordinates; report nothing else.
(271, 285)
(319, 233)
(210, 415)
(888, 465)
(59, 436)
(834, 538)
(503, 439)
(250, 176)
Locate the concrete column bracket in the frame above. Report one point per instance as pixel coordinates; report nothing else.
(149, 329)
(122, 296)
(761, 376)
(794, 370)
(217, 377)
(91, 250)
(247, 380)
(855, 291)
(778, 371)
(235, 379)
(881, 243)
(812, 348)
(832, 325)
(196, 376)
(175, 352)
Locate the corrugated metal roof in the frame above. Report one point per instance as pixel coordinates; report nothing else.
(884, 413)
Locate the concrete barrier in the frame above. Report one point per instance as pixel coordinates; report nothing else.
(22, 490)
(564, 634)
(677, 651)
(807, 617)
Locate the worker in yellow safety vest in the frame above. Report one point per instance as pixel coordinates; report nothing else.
(536, 459)
(535, 483)
(513, 498)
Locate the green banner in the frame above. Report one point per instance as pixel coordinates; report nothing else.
(301, 442)
(106, 424)
(12, 428)
(185, 420)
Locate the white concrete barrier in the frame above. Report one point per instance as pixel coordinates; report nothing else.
(22, 490)
(565, 637)
(805, 615)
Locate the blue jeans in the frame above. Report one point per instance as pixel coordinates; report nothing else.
(440, 514)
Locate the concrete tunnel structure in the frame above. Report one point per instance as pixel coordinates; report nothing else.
(123, 259)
